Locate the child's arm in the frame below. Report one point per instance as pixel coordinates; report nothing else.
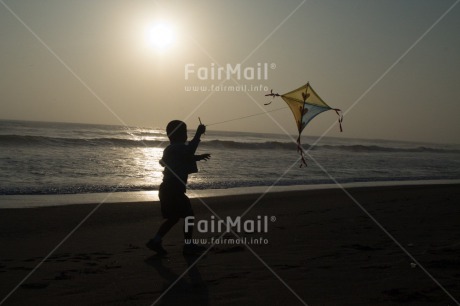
(193, 144)
(205, 156)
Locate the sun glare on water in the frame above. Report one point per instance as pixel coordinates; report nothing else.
(161, 36)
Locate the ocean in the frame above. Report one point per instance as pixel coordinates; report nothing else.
(44, 158)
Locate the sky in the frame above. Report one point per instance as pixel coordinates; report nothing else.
(393, 67)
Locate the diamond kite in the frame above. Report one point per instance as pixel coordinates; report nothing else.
(305, 105)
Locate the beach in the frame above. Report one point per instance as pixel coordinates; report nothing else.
(318, 143)
(320, 248)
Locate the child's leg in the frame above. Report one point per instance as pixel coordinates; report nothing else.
(165, 227)
(155, 243)
(188, 232)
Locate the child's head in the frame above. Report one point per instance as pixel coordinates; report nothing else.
(176, 131)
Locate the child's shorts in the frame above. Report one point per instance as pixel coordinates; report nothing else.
(174, 202)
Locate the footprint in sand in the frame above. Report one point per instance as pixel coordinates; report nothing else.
(63, 275)
(35, 285)
(102, 255)
(287, 267)
(233, 249)
(360, 247)
(131, 247)
(22, 268)
(377, 266)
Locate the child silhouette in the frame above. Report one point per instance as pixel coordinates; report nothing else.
(179, 160)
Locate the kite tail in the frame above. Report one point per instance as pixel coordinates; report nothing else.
(273, 95)
(339, 113)
(303, 162)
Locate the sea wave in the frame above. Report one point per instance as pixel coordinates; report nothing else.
(27, 140)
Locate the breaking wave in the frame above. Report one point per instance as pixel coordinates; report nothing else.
(267, 145)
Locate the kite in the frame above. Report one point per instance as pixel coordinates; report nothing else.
(305, 105)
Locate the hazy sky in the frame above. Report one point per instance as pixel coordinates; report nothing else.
(99, 66)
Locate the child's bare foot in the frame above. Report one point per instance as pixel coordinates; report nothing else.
(156, 246)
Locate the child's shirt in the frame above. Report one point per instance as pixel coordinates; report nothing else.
(179, 161)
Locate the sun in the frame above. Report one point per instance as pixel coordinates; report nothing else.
(161, 36)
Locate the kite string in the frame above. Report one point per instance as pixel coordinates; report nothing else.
(248, 116)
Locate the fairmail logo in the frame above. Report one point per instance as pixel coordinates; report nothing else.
(227, 72)
(237, 224)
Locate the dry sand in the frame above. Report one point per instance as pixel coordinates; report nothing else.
(323, 249)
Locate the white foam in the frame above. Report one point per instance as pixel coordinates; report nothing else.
(30, 201)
